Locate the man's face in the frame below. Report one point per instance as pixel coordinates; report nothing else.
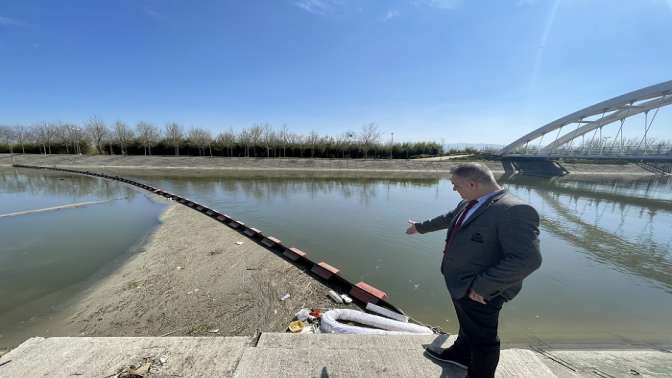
(467, 189)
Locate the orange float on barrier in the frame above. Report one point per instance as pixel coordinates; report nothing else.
(367, 293)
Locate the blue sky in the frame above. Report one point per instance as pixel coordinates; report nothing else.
(452, 70)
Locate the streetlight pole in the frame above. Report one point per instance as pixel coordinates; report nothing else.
(391, 143)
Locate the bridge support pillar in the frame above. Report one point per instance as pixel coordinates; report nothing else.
(533, 166)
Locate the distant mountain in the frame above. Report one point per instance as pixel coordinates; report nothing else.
(476, 146)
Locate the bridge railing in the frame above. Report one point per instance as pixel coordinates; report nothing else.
(596, 151)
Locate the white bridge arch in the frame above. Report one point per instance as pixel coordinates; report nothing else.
(594, 118)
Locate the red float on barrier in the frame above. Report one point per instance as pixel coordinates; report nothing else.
(221, 218)
(324, 270)
(270, 241)
(367, 293)
(294, 253)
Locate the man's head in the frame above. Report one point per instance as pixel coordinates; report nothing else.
(473, 180)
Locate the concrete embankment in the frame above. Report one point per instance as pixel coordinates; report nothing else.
(320, 355)
(219, 166)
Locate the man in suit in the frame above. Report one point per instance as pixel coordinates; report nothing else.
(491, 245)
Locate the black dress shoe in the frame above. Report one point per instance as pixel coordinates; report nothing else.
(449, 355)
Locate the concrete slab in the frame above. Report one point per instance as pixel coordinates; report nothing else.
(105, 356)
(321, 355)
(616, 363)
(336, 341)
(313, 362)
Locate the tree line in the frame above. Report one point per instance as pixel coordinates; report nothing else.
(259, 140)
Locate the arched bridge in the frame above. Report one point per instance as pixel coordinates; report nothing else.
(580, 135)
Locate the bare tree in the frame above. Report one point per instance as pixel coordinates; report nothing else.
(268, 138)
(124, 136)
(255, 134)
(39, 134)
(149, 136)
(313, 140)
(174, 135)
(202, 139)
(284, 139)
(227, 140)
(369, 137)
(72, 136)
(8, 134)
(21, 137)
(345, 141)
(244, 140)
(61, 137)
(98, 131)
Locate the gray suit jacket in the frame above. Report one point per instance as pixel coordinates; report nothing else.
(493, 251)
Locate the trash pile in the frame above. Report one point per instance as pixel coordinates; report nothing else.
(350, 321)
(148, 365)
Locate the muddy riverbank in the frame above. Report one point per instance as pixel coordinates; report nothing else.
(191, 277)
(218, 166)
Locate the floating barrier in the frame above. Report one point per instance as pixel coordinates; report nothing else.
(270, 242)
(329, 274)
(324, 270)
(252, 232)
(294, 254)
(329, 323)
(367, 293)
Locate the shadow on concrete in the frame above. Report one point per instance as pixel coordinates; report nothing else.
(448, 370)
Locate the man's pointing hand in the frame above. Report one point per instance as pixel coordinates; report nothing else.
(411, 228)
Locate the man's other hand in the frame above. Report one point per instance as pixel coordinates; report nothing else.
(474, 296)
(411, 228)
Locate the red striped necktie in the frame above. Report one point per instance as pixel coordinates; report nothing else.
(458, 224)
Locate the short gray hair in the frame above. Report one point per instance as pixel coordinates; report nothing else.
(475, 172)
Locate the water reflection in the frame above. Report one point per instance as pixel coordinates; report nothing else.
(35, 186)
(602, 240)
(364, 190)
(44, 256)
(609, 226)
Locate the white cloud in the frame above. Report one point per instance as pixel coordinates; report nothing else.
(153, 13)
(6, 21)
(523, 3)
(392, 13)
(317, 6)
(440, 4)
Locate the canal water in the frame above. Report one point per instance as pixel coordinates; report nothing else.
(48, 257)
(607, 244)
(607, 247)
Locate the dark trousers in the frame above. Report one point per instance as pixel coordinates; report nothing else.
(477, 339)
